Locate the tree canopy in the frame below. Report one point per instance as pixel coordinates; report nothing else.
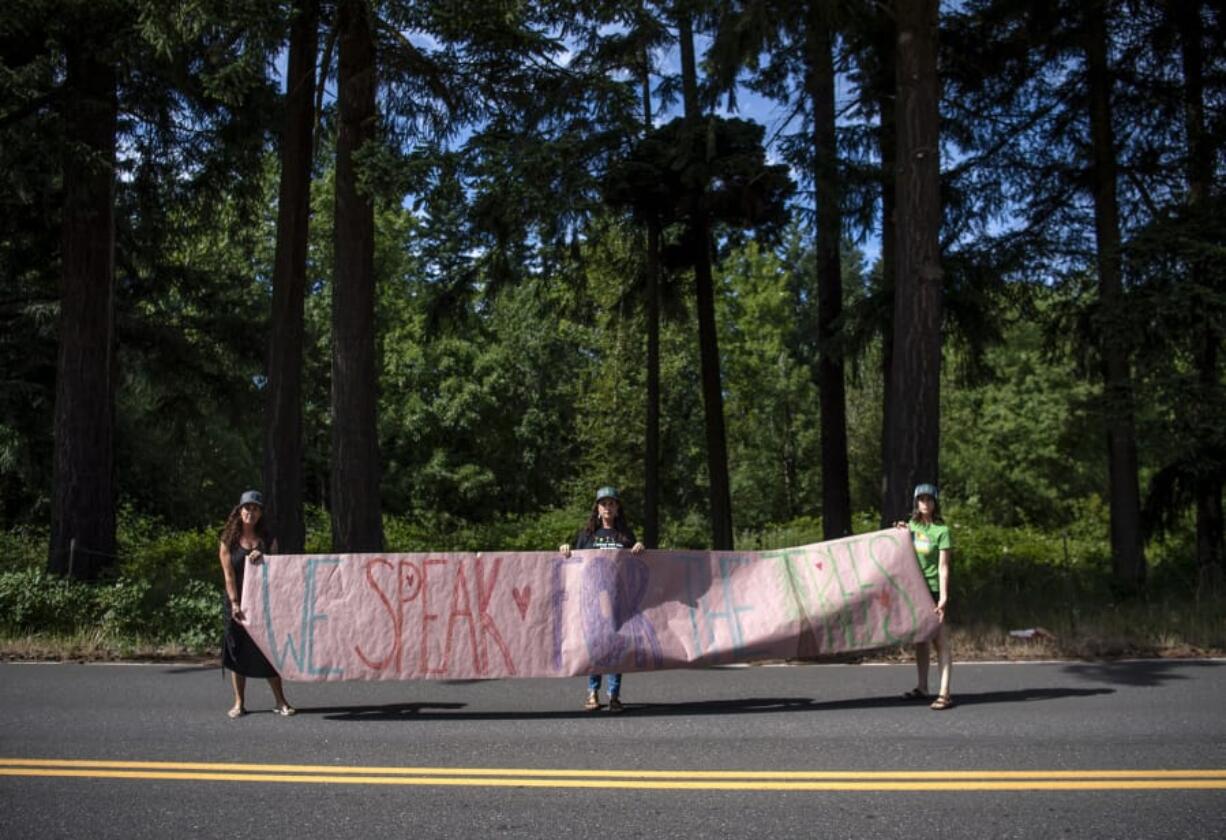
(458, 262)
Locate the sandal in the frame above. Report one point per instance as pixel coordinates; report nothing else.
(285, 711)
(916, 694)
(592, 703)
(942, 703)
(236, 712)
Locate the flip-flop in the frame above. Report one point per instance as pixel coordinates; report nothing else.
(915, 694)
(942, 703)
(285, 711)
(236, 712)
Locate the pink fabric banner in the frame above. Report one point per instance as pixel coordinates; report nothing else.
(537, 614)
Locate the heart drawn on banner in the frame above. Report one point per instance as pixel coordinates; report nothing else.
(522, 597)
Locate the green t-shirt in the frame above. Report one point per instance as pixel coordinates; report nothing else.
(928, 541)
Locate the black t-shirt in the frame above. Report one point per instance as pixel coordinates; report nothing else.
(605, 538)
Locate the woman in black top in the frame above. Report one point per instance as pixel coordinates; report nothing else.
(245, 537)
(605, 528)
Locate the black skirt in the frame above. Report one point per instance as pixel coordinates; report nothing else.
(239, 653)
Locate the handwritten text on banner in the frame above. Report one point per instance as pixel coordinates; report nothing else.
(537, 614)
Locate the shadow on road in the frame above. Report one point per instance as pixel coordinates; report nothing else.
(753, 705)
(386, 711)
(191, 669)
(1146, 673)
(1025, 695)
(444, 711)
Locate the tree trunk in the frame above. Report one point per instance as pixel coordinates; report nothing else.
(83, 499)
(1209, 525)
(819, 81)
(1125, 494)
(915, 376)
(1200, 153)
(886, 136)
(708, 342)
(356, 514)
(651, 472)
(283, 452)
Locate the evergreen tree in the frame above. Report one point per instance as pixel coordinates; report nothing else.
(356, 504)
(699, 234)
(913, 424)
(283, 435)
(804, 46)
(132, 76)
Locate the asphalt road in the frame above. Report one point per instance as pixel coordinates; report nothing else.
(1127, 749)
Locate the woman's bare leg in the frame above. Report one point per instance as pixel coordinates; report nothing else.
(921, 666)
(278, 693)
(240, 687)
(945, 658)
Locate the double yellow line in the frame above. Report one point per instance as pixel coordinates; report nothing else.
(953, 780)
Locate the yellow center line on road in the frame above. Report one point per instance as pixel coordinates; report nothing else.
(529, 772)
(714, 780)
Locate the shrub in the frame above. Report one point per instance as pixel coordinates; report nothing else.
(531, 532)
(166, 559)
(192, 617)
(32, 600)
(318, 530)
(23, 548)
(802, 530)
(692, 532)
(123, 607)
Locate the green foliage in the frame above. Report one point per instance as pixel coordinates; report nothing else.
(723, 160)
(318, 530)
(803, 530)
(772, 406)
(192, 617)
(122, 607)
(167, 588)
(510, 339)
(33, 602)
(1029, 419)
(22, 548)
(31, 599)
(531, 532)
(196, 102)
(166, 559)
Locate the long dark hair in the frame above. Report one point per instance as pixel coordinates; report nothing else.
(619, 522)
(915, 511)
(233, 528)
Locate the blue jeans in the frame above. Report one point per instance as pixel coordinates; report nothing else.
(615, 683)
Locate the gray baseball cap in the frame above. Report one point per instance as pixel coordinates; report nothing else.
(252, 497)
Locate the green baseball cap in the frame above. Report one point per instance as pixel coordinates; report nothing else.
(251, 497)
(607, 492)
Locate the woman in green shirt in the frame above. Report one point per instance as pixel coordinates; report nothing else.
(930, 536)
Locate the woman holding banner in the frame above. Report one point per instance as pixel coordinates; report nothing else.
(245, 537)
(606, 528)
(930, 537)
